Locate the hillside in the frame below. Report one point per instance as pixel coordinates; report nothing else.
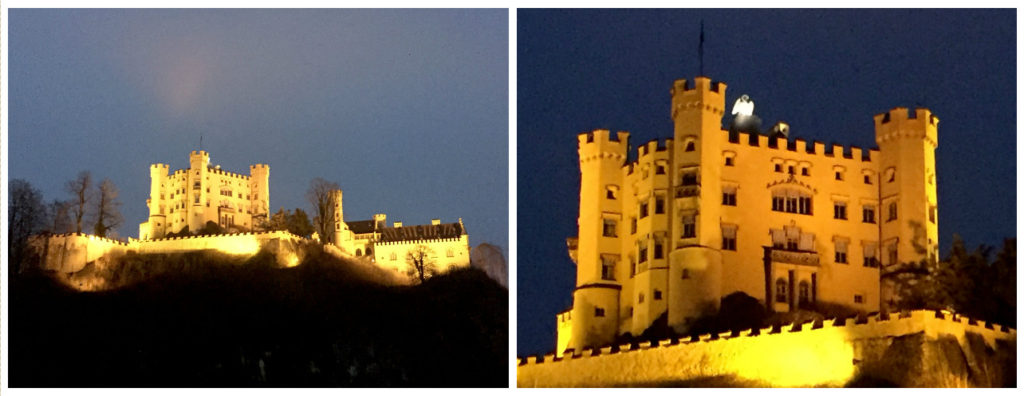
(203, 320)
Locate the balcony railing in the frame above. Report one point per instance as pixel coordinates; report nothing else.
(687, 191)
(795, 257)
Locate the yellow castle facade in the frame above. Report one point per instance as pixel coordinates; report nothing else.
(709, 212)
(188, 199)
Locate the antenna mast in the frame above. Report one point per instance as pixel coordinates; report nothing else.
(700, 48)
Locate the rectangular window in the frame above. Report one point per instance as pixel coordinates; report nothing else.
(839, 176)
(659, 205)
(894, 256)
(689, 179)
(659, 252)
(791, 205)
(839, 210)
(892, 212)
(609, 228)
(778, 168)
(841, 251)
(643, 252)
(869, 214)
(869, 255)
(686, 273)
(805, 172)
(632, 225)
(728, 243)
(778, 204)
(632, 267)
(643, 210)
(689, 226)
(660, 170)
(599, 312)
(858, 299)
(805, 205)
(729, 198)
(728, 161)
(657, 294)
(607, 268)
(867, 179)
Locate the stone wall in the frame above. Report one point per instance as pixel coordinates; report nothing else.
(918, 349)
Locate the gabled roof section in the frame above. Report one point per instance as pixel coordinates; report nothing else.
(362, 226)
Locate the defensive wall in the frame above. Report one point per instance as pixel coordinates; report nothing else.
(915, 349)
(70, 252)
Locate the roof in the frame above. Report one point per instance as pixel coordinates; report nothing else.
(361, 226)
(422, 232)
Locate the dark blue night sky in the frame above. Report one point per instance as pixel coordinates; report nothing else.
(826, 73)
(407, 110)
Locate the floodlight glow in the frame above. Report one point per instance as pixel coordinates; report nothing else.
(743, 106)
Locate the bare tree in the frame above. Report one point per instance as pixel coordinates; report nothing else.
(319, 195)
(26, 215)
(59, 212)
(79, 188)
(108, 214)
(421, 263)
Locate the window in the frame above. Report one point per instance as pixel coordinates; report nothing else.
(869, 214)
(804, 291)
(792, 171)
(632, 266)
(728, 161)
(689, 179)
(686, 273)
(892, 212)
(867, 179)
(660, 170)
(394, 256)
(659, 252)
(778, 168)
(729, 197)
(197, 198)
(689, 226)
(689, 146)
(781, 294)
(643, 209)
(894, 256)
(643, 252)
(869, 255)
(839, 175)
(858, 299)
(805, 172)
(450, 253)
(931, 214)
(729, 237)
(892, 175)
(599, 312)
(609, 228)
(657, 294)
(839, 210)
(659, 205)
(640, 298)
(841, 251)
(610, 194)
(607, 268)
(196, 185)
(632, 226)
(791, 202)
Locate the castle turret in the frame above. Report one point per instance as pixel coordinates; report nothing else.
(156, 227)
(259, 188)
(695, 262)
(599, 273)
(907, 194)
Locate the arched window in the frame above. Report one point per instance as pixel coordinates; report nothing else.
(369, 251)
(689, 146)
(781, 294)
(359, 252)
(804, 291)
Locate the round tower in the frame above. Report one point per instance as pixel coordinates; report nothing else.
(595, 311)
(695, 262)
(906, 180)
(338, 225)
(157, 225)
(259, 184)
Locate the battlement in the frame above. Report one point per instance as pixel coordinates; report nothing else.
(263, 167)
(159, 166)
(201, 153)
(900, 122)
(599, 144)
(698, 84)
(700, 94)
(800, 146)
(827, 342)
(653, 146)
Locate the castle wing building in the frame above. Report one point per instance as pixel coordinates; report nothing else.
(710, 212)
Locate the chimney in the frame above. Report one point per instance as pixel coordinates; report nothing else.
(435, 221)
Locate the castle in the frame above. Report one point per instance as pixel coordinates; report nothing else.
(185, 201)
(710, 212)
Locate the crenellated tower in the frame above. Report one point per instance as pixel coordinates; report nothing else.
(259, 185)
(907, 193)
(694, 280)
(595, 312)
(156, 227)
(199, 164)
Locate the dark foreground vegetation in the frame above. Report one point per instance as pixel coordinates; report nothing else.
(203, 320)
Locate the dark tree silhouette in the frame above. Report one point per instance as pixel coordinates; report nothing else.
(421, 263)
(80, 190)
(26, 215)
(319, 195)
(108, 213)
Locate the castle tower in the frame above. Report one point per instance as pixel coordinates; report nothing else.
(907, 194)
(599, 272)
(338, 225)
(259, 185)
(199, 164)
(157, 225)
(694, 280)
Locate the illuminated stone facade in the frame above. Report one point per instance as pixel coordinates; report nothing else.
(203, 193)
(711, 212)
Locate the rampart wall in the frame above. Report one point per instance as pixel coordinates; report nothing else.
(825, 353)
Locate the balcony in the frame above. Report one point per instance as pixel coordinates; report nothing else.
(795, 257)
(688, 191)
